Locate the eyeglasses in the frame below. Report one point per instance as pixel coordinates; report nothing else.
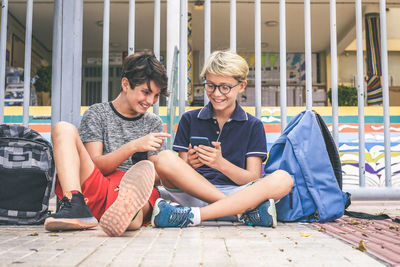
(223, 88)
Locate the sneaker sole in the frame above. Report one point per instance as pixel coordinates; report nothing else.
(156, 211)
(134, 191)
(54, 224)
(272, 212)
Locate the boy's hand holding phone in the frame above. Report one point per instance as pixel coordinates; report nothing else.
(193, 158)
(210, 156)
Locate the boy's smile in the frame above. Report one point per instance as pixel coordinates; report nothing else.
(134, 102)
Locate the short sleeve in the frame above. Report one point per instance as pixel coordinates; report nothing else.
(157, 127)
(258, 143)
(91, 126)
(182, 137)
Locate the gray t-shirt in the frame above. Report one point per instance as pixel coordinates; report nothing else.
(103, 123)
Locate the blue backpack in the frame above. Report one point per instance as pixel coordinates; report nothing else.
(306, 150)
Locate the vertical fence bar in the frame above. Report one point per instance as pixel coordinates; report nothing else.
(282, 61)
(131, 28)
(27, 65)
(257, 65)
(360, 90)
(182, 57)
(56, 64)
(334, 75)
(232, 36)
(156, 41)
(307, 37)
(67, 55)
(77, 63)
(3, 43)
(106, 50)
(207, 37)
(385, 93)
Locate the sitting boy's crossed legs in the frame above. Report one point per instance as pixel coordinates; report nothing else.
(254, 201)
(119, 196)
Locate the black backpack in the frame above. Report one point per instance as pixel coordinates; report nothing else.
(26, 175)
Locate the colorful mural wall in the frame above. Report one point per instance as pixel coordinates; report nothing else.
(348, 136)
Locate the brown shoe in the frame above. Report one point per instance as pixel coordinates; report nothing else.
(134, 191)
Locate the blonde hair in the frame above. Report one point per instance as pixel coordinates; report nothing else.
(226, 63)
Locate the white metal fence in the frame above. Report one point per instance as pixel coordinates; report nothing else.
(67, 66)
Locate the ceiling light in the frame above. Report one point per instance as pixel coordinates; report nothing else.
(271, 23)
(199, 5)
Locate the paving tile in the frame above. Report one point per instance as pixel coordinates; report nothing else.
(211, 244)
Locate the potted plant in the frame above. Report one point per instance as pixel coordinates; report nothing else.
(43, 85)
(347, 95)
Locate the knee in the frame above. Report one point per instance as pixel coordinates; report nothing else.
(165, 156)
(285, 179)
(165, 161)
(62, 129)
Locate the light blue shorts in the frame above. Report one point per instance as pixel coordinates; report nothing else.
(184, 199)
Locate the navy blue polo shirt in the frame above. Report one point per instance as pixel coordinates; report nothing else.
(241, 136)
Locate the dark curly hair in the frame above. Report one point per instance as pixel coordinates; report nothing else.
(143, 67)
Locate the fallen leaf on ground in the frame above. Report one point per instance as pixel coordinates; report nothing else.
(378, 228)
(394, 227)
(53, 234)
(281, 250)
(322, 229)
(364, 234)
(304, 235)
(361, 246)
(353, 222)
(33, 234)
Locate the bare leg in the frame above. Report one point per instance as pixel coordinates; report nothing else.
(73, 162)
(175, 173)
(275, 186)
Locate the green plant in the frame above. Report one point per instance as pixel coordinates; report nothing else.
(43, 81)
(347, 95)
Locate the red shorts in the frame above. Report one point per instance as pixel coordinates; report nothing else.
(99, 191)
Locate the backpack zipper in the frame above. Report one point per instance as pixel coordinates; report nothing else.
(27, 140)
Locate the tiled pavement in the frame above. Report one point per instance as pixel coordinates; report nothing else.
(212, 244)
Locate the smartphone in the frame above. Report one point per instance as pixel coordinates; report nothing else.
(199, 140)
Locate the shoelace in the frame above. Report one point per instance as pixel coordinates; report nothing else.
(65, 203)
(250, 217)
(180, 217)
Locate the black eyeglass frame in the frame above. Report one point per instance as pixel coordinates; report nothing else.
(219, 87)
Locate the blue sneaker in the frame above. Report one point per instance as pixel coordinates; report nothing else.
(263, 215)
(167, 215)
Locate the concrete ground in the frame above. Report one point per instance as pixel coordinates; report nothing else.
(211, 244)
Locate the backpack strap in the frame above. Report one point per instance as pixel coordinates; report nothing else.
(363, 215)
(331, 149)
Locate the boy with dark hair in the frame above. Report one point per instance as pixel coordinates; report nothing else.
(95, 177)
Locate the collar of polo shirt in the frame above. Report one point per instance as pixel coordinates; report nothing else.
(207, 113)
